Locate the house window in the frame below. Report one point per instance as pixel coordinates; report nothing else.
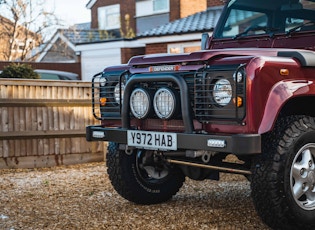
(183, 47)
(160, 5)
(152, 7)
(18, 46)
(109, 17)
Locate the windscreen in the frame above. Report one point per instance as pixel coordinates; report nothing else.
(252, 18)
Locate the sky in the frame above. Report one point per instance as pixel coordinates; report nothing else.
(70, 11)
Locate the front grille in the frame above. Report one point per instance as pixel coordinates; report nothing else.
(200, 86)
(206, 108)
(103, 90)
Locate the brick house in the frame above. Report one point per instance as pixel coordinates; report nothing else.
(143, 14)
(122, 29)
(17, 48)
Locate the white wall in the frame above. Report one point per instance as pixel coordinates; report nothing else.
(95, 57)
(94, 61)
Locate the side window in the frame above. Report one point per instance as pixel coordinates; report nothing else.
(301, 18)
(240, 21)
(291, 23)
(299, 24)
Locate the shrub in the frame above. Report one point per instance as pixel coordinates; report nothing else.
(19, 71)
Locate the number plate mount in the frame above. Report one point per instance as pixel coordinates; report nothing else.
(152, 140)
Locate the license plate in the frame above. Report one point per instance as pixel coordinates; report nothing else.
(152, 140)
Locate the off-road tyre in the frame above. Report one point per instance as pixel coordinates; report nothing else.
(127, 180)
(272, 179)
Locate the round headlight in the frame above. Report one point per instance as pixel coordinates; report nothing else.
(140, 103)
(164, 103)
(222, 92)
(119, 91)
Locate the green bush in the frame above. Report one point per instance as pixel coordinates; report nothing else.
(17, 70)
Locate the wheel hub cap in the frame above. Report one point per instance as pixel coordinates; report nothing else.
(311, 177)
(302, 177)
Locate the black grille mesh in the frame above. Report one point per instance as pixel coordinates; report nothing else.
(206, 108)
(101, 91)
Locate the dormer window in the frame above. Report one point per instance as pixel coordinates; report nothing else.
(109, 17)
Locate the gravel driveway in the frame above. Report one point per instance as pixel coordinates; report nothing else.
(81, 197)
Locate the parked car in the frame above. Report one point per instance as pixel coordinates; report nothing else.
(56, 75)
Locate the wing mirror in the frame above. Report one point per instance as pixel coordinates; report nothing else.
(204, 41)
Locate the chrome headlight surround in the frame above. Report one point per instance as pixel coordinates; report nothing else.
(164, 103)
(119, 92)
(222, 92)
(140, 103)
(239, 75)
(102, 81)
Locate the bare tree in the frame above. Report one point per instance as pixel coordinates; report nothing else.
(24, 25)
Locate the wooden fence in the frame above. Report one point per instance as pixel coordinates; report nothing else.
(42, 124)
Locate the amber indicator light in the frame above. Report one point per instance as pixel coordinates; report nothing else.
(284, 72)
(238, 101)
(103, 101)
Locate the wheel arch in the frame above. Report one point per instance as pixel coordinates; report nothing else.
(287, 98)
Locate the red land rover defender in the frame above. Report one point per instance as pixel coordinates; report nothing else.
(250, 92)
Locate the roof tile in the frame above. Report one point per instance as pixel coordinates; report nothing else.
(199, 22)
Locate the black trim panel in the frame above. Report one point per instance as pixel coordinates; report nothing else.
(306, 58)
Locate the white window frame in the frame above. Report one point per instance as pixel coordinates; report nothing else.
(181, 46)
(104, 12)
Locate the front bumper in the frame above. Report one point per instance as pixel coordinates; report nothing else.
(238, 144)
